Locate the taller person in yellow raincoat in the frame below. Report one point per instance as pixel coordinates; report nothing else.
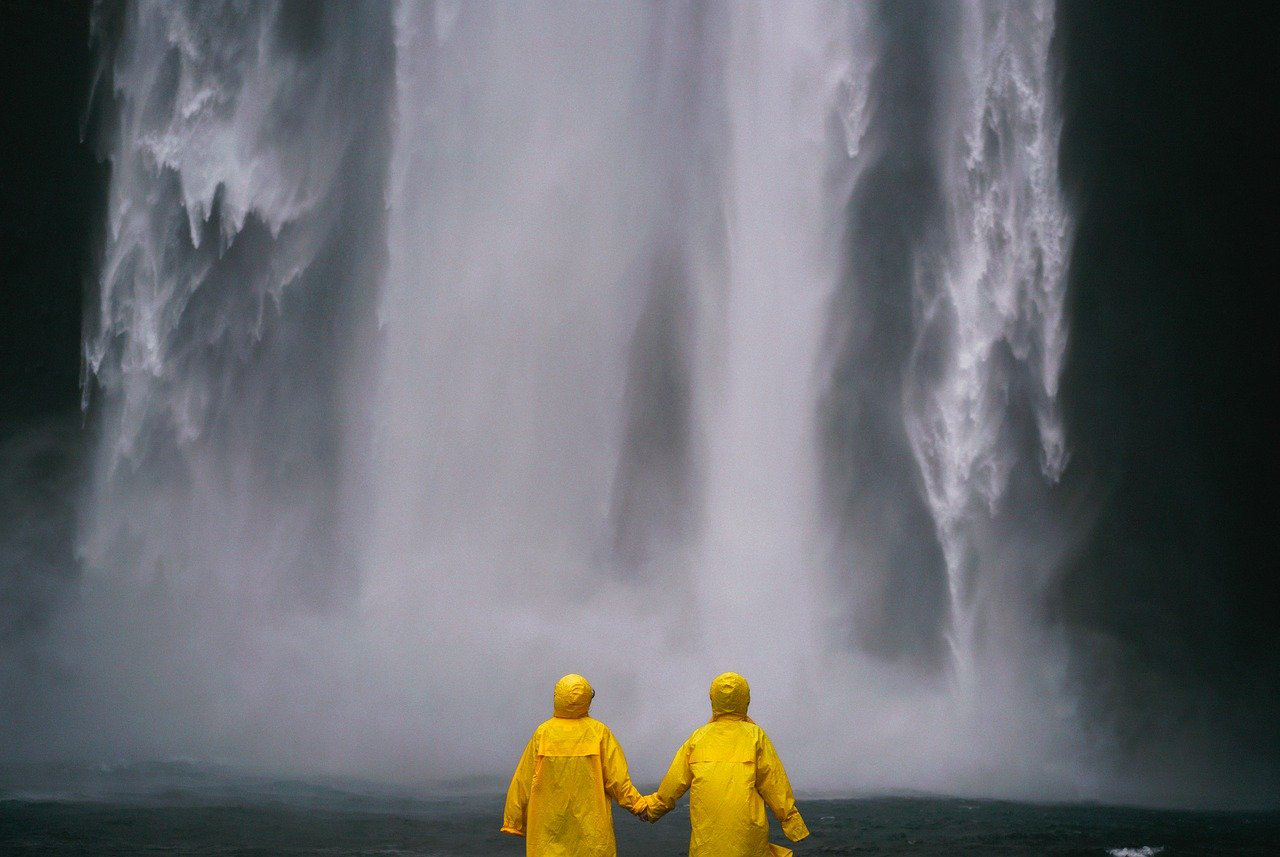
(731, 772)
(571, 767)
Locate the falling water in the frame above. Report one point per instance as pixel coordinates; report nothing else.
(232, 304)
(990, 314)
(441, 349)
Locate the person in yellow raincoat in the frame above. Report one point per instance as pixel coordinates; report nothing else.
(731, 772)
(571, 767)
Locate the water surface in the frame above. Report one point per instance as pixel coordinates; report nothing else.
(176, 813)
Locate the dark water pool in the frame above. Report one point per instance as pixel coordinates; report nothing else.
(294, 821)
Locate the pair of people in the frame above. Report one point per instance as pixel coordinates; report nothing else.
(572, 766)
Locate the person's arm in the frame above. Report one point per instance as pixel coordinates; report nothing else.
(617, 780)
(775, 788)
(674, 785)
(513, 814)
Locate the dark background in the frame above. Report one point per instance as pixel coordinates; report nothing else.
(1169, 387)
(1170, 164)
(50, 190)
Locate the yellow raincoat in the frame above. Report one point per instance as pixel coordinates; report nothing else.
(559, 795)
(731, 771)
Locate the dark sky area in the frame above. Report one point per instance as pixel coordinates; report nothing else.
(1169, 160)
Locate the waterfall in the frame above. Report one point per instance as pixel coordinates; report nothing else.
(789, 78)
(440, 349)
(989, 318)
(247, 150)
(230, 291)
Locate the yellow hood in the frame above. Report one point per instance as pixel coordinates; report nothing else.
(730, 696)
(572, 698)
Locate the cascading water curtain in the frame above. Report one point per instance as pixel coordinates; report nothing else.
(439, 347)
(991, 333)
(247, 147)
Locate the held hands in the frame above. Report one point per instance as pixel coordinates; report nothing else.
(645, 809)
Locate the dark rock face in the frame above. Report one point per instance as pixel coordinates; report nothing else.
(1167, 383)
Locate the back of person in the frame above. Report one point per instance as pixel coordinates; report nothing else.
(731, 771)
(571, 767)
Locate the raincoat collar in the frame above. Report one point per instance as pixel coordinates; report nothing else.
(572, 697)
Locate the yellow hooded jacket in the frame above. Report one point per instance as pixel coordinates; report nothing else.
(559, 795)
(731, 771)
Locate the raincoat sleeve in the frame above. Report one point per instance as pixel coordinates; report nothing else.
(674, 785)
(617, 780)
(513, 814)
(775, 788)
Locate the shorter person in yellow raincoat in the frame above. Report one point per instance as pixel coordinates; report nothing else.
(571, 767)
(731, 772)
